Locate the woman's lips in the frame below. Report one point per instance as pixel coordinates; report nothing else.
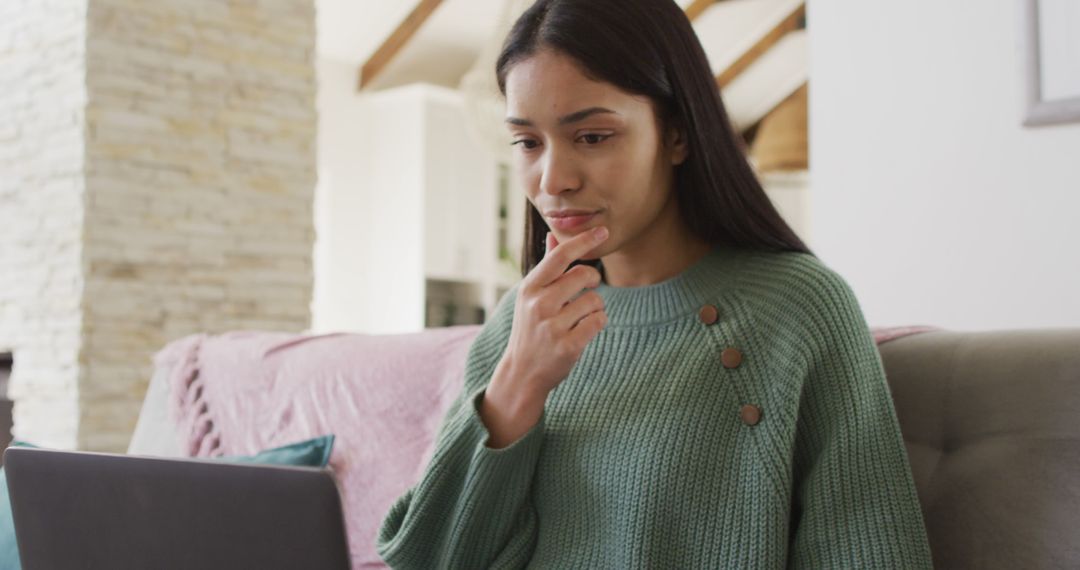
(568, 223)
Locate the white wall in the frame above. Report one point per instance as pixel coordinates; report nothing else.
(402, 195)
(340, 114)
(927, 194)
(368, 270)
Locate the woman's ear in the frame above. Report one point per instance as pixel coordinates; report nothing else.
(677, 146)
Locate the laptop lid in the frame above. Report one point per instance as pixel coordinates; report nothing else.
(100, 510)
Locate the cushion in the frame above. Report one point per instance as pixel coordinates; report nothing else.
(154, 433)
(310, 453)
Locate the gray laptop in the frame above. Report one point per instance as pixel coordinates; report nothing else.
(99, 510)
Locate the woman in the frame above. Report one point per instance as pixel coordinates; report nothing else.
(677, 382)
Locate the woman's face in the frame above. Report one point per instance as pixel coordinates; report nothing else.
(581, 144)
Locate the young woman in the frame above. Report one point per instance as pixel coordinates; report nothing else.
(677, 382)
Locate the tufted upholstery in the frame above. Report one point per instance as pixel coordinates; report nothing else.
(992, 426)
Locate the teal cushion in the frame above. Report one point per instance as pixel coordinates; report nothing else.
(310, 453)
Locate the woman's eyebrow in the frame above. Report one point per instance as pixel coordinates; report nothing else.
(566, 120)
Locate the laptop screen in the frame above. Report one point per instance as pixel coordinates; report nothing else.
(100, 510)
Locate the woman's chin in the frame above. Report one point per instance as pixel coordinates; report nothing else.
(596, 252)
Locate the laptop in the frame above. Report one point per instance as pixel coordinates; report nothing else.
(100, 510)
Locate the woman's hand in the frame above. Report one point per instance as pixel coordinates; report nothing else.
(551, 329)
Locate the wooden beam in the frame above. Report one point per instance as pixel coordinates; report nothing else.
(789, 23)
(697, 8)
(780, 142)
(396, 41)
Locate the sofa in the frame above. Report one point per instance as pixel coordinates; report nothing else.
(991, 421)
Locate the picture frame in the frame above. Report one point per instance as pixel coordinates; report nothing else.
(1051, 35)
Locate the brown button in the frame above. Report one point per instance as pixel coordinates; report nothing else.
(709, 314)
(750, 414)
(731, 357)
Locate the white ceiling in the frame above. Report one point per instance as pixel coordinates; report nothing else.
(351, 30)
(448, 43)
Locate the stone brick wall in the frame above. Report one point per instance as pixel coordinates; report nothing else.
(42, 196)
(195, 187)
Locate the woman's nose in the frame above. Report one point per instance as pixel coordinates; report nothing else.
(560, 173)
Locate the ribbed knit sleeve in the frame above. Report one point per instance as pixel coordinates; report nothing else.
(854, 503)
(472, 507)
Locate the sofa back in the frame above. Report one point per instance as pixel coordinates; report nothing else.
(992, 426)
(990, 420)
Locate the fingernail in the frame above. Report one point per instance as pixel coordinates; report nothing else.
(600, 233)
(547, 243)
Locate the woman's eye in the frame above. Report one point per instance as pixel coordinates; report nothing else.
(527, 144)
(592, 138)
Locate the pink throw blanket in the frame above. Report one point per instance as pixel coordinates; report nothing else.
(382, 396)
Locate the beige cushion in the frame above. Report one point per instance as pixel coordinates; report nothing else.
(154, 434)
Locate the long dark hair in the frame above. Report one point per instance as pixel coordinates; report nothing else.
(649, 48)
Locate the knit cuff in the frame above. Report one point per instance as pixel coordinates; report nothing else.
(525, 447)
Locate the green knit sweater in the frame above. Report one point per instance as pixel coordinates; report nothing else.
(660, 450)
